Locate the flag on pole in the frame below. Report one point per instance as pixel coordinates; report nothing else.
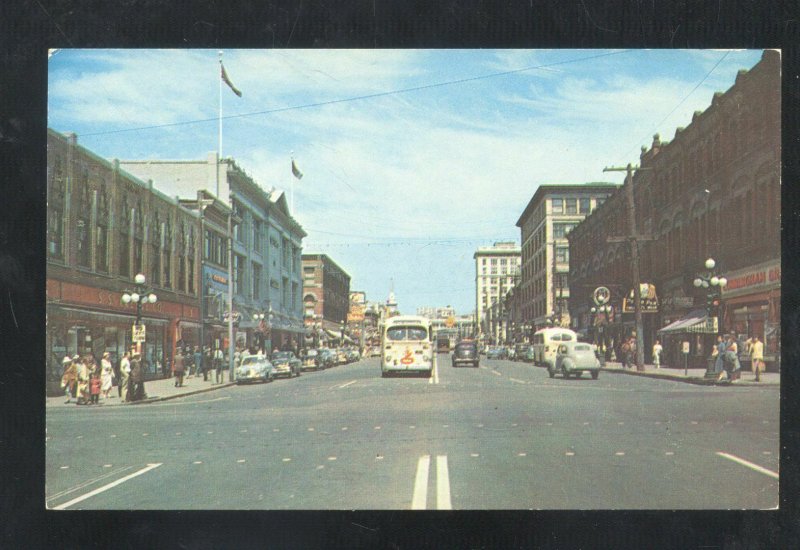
(228, 80)
(297, 173)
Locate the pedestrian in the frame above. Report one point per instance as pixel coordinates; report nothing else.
(106, 374)
(69, 378)
(757, 357)
(732, 358)
(124, 376)
(178, 368)
(137, 378)
(83, 380)
(657, 349)
(198, 361)
(718, 353)
(220, 360)
(218, 357)
(95, 385)
(207, 363)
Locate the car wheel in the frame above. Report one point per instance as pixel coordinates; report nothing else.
(476, 365)
(384, 374)
(595, 374)
(551, 372)
(564, 372)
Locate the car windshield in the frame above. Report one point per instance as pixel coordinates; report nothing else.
(252, 360)
(282, 356)
(465, 347)
(582, 347)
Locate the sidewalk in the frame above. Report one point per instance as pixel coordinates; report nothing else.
(694, 376)
(157, 390)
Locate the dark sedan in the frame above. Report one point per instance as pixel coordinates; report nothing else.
(286, 364)
(466, 353)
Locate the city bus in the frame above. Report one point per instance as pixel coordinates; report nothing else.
(407, 345)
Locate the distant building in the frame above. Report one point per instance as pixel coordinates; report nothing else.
(553, 211)
(496, 272)
(436, 312)
(326, 296)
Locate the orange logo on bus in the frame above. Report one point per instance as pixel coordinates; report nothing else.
(407, 358)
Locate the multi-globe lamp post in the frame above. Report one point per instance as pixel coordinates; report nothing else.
(140, 296)
(713, 283)
(600, 336)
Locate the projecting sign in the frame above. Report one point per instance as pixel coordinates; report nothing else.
(601, 295)
(138, 333)
(649, 300)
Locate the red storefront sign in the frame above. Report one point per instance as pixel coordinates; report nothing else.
(110, 300)
(745, 281)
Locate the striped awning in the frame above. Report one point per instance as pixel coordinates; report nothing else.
(695, 322)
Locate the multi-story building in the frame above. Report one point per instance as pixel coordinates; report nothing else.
(267, 245)
(104, 227)
(713, 191)
(326, 295)
(436, 312)
(553, 211)
(496, 272)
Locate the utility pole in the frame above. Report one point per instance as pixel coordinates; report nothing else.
(633, 237)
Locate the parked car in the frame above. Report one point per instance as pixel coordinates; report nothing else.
(341, 357)
(326, 358)
(496, 353)
(575, 358)
(519, 352)
(286, 364)
(309, 360)
(466, 353)
(353, 355)
(375, 352)
(254, 368)
(529, 355)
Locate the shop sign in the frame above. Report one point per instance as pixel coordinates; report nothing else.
(219, 279)
(743, 281)
(649, 299)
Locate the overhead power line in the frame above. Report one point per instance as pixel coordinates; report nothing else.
(361, 97)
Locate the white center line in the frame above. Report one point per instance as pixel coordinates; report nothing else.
(240, 461)
(420, 496)
(619, 453)
(750, 465)
(497, 373)
(345, 385)
(442, 484)
(106, 487)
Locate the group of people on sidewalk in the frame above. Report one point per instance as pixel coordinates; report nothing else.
(85, 380)
(188, 364)
(726, 355)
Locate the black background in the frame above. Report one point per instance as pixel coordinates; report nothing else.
(29, 28)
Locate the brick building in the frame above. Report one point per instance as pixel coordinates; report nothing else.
(326, 296)
(713, 191)
(105, 226)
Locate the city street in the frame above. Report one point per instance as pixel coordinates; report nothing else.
(503, 436)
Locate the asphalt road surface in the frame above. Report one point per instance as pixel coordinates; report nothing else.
(503, 436)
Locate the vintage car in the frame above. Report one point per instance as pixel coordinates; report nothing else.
(286, 364)
(575, 358)
(326, 358)
(496, 353)
(310, 360)
(254, 368)
(466, 353)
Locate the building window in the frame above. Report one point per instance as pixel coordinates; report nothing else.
(238, 274)
(257, 235)
(55, 210)
(598, 201)
(101, 233)
(557, 206)
(256, 281)
(585, 206)
(82, 226)
(562, 254)
(572, 206)
(167, 245)
(191, 287)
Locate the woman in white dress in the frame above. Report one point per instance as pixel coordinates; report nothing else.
(106, 374)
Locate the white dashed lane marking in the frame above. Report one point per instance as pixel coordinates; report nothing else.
(287, 459)
(619, 453)
(106, 487)
(241, 461)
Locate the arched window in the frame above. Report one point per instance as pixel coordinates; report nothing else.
(101, 229)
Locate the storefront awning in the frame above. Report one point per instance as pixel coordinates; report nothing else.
(694, 322)
(332, 334)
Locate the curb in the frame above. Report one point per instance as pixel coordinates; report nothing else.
(193, 392)
(687, 380)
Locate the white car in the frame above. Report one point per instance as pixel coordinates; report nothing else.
(255, 368)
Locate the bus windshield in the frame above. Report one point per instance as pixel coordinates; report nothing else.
(406, 333)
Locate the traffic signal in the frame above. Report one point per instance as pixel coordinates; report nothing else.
(712, 304)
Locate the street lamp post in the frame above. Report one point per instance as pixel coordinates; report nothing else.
(713, 283)
(140, 296)
(598, 329)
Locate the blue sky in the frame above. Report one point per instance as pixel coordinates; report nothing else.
(405, 185)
